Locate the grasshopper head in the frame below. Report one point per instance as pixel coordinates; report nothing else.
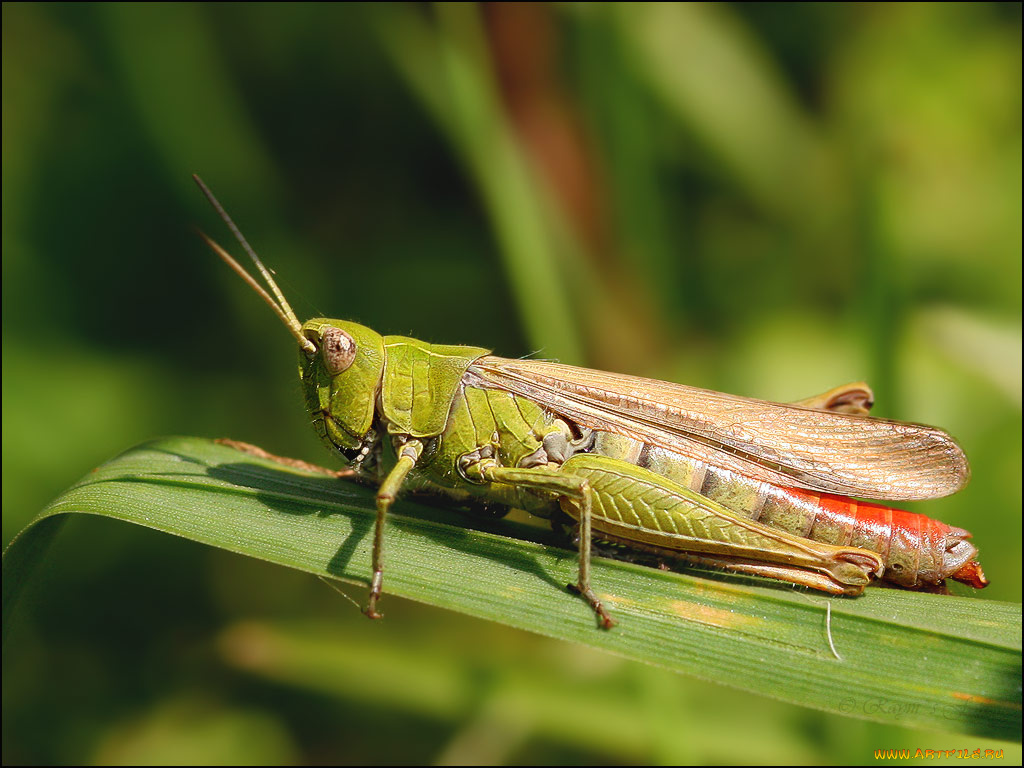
(341, 379)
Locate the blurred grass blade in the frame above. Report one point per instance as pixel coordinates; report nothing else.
(926, 661)
(508, 694)
(146, 42)
(447, 67)
(714, 76)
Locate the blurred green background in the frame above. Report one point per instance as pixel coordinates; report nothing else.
(763, 199)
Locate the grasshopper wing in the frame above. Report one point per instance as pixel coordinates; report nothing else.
(786, 445)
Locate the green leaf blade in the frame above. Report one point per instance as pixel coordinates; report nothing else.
(928, 661)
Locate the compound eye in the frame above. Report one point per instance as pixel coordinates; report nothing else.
(339, 350)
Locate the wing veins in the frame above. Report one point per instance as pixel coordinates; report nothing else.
(785, 444)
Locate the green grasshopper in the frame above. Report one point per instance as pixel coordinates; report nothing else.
(746, 485)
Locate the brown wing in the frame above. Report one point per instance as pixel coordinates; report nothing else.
(786, 445)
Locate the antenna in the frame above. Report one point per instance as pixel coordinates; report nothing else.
(281, 306)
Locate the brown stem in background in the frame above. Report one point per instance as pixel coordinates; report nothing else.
(621, 331)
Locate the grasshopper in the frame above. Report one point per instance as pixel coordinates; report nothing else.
(745, 485)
